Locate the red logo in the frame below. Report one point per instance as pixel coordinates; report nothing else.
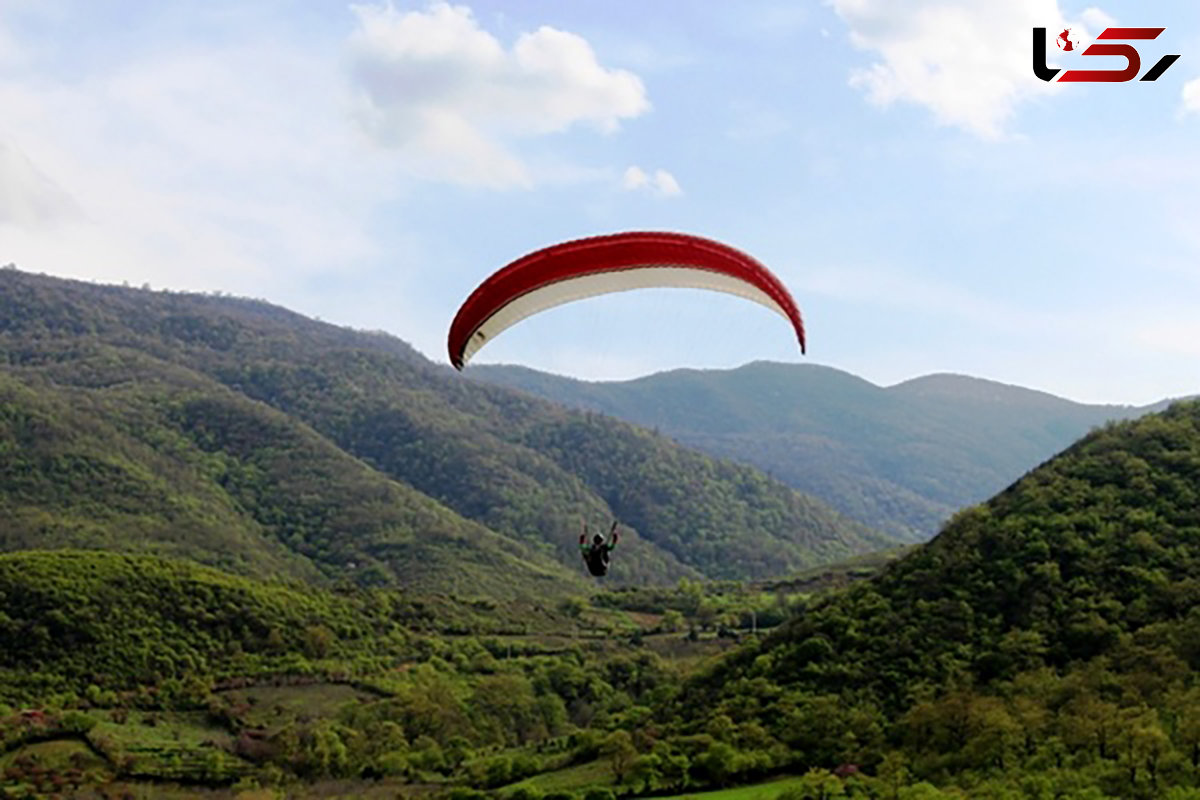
(1133, 60)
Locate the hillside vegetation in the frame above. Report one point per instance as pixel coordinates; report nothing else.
(134, 670)
(1047, 638)
(900, 459)
(1042, 646)
(245, 436)
(76, 618)
(386, 610)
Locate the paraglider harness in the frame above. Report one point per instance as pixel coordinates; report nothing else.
(595, 554)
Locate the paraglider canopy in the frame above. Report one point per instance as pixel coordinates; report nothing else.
(602, 264)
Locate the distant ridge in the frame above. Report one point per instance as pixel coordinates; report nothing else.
(901, 459)
(242, 435)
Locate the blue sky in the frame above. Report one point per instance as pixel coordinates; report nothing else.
(932, 206)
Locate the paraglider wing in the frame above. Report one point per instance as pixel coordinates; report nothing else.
(603, 264)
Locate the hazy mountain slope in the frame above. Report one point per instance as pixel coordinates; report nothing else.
(901, 459)
(370, 401)
(486, 452)
(634, 471)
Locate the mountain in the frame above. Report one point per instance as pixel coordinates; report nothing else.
(1043, 645)
(248, 437)
(900, 459)
(1055, 624)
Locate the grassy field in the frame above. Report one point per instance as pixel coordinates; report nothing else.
(599, 774)
(580, 776)
(768, 790)
(167, 745)
(273, 706)
(55, 755)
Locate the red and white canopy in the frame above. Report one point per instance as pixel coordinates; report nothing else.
(602, 264)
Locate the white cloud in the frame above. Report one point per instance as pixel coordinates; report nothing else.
(1191, 96)
(967, 61)
(186, 167)
(446, 93)
(666, 184)
(635, 178)
(660, 181)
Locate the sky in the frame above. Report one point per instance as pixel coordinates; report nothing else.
(931, 205)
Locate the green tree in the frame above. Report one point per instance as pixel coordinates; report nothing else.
(820, 784)
(645, 771)
(1187, 710)
(717, 762)
(893, 774)
(619, 750)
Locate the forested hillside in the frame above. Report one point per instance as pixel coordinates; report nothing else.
(1044, 640)
(901, 459)
(242, 435)
(73, 618)
(1043, 645)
